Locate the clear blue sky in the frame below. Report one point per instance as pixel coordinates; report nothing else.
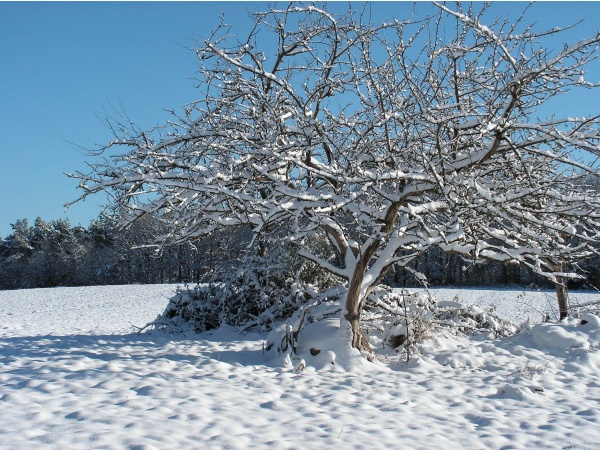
(62, 64)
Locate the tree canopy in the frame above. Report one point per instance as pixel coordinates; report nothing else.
(385, 139)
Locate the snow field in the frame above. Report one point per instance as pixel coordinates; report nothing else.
(75, 374)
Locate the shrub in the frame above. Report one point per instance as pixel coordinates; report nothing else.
(260, 292)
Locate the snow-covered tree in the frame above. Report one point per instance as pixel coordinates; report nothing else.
(386, 139)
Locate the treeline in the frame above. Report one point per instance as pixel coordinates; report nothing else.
(50, 254)
(443, 269)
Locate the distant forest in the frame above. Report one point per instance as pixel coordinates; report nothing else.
(50, 254)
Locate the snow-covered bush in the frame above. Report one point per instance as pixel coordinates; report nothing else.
(253, 293)
(399, 319)
(236, 303)
(258, 293)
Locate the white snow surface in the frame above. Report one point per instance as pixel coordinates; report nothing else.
(74, 374)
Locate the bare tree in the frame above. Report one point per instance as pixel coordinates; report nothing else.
(386, 139)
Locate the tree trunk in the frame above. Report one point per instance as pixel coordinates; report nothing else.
(359, 340)
(561, 294)
(354, 305)
(354, 308)
(561, 290)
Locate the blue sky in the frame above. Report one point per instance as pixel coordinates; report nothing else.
(63, 64)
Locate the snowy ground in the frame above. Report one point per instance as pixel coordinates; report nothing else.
(74, 374)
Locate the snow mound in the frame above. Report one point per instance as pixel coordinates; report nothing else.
(590, 320)
(577, 335)
(521, 393)
(319, 338)
(552, 336)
